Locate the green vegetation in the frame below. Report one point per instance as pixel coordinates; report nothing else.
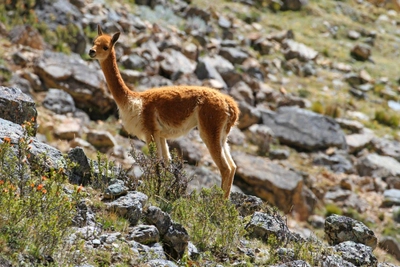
(36, 212)
(387, 117)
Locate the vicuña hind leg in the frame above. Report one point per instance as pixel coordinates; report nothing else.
(218, 154)
(232, 166)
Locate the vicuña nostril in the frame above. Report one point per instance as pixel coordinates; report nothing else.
(91, 52)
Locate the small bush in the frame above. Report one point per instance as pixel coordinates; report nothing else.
(212, 221)
(164, 182)
(317, 107)
(331, 209)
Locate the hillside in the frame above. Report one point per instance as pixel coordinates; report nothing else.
(318, 87)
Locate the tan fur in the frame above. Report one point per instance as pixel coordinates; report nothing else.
(169, 112)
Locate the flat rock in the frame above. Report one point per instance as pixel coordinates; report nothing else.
(391, 245)
(358, 141)
(59, 101)
(304, 129)
(293, 49)
(378, 166)
(387, 147)
(391, 197)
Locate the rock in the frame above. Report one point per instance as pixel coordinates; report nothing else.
(246, 204)
(248, 115)
(144, 234)
(269, 181)
(131, 76)
(356, 253)
(293, 5)
(356, 142)
(185, 147)
(59, 101)
(263, 45)
(391, 197)
(148, 82)
(263, 225)
(143, 253)
(279, 154)
(175, 62)
(293, 49)
(175, 241)
(133, 62)
(205, 70)
(68, 129)
(303, 129)
(129, 206)
(81, 174)
(54, 157)
(386, 147)
(335, 261)
(242, 92)
(261, 136)
(16, 106)
(396, 214)
(72, 74)
(297, 263)
(101, 139)
(353, 35)
(27, 35)
(159, 218)
(337, 162)
(378, 166)
(351, 125)
(33, 80)
(339, 229)
(84, 215)
(316, 221)
(115, 189)
(161, 263)
(190, 50)
(391, 245)
(233, 55)
(361, 52)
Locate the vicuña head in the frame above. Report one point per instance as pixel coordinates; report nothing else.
(169, 112)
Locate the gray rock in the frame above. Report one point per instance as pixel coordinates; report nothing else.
(339, 229)
(334, 261)
(387, 147)
(356, 142)
(159, 218)
(71, 74)
(16, 106)
(186, 148)
(133, 62)
(129, 206)
(249, 115)
(148, 82)
(304, 129)
(84, 215)
(279, 154)
(391, 245)
(59, 101)
(293, 49)
(233, 55)
(337, 162)
(269, 181)
(27, 35)
(174, 62)
(293, 5)
(176, 241)
(246, 204)
(161, 263)
(68, 128)
(144, 234)
(391, 197)
(263, 225)
(353, 35)
(81, 174)
(115, 190)
(378, 166)
(205, 70)
(297, 263)
(396, 214)
(351, 125)
(356, 253)
(147, 252)
(242, 92)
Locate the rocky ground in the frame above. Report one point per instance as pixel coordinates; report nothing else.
(317, 85)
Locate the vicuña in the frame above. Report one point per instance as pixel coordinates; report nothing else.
(158, 114)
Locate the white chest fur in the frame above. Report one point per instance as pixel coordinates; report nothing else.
(131, 116)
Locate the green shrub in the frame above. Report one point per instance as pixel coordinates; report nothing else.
(331, 209)
(35, 211)
(212, 221)
(317, 107)
(387, 117)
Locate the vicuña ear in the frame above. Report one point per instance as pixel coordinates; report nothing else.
(99, 31)
(115, 38)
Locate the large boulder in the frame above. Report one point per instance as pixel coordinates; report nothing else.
(281, 187)
(72, 74)
(356, 253)
(304, 129)
(339, 229)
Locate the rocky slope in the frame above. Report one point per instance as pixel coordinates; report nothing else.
(310, 138)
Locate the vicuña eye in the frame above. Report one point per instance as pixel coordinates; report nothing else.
(105, 47)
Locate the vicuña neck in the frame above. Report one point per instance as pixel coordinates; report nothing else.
(115, 83)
